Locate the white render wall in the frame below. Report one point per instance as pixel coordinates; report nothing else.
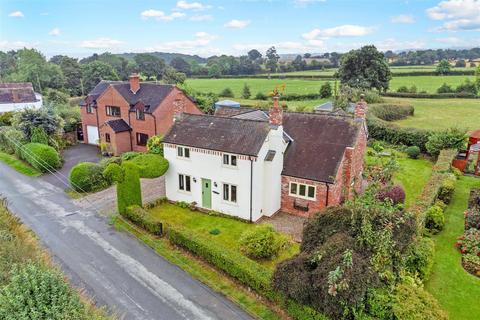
(208, 165)
(6, 107)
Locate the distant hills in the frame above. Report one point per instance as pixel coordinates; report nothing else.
(166, 56)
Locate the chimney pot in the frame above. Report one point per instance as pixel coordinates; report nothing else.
(134, 80)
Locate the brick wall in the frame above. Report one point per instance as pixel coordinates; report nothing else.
(88, 119)
(119, 142)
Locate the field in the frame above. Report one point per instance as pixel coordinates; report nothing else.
(303, 86)
(441, 113)
(456, 290)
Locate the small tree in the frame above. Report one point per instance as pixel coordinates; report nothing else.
(246, 94)
(445, 88)
(443, 67)
(39, 136)
(227, 93)
(127, 178)
(326, 90)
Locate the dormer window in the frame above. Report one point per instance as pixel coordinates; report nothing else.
(140, 114)
(183, 152)
(89, 108)
(230, 160)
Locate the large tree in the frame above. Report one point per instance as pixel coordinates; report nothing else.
(95, 71)
(181, 65)
(150, 66)
(272, 59)
(73, 76)
(443, 67)
(365, 68)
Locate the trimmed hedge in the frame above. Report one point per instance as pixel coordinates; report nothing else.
(150, 165)
(459, 95)
(141, 218)
(392, 112)
(235, 264)
(127, 179)
(88, 177)
(40, 156)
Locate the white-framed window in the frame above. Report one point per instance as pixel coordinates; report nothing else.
(183, 152)
(89, 108)
(113, 111)
(184, 182)
(301, 190)
(140, 114)
(229, 192)
(229, 160)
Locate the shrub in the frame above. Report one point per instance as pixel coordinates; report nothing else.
(38, 293)
(42, 157)
(435, 219)
(452, 138)
(235, 264)
(246, 94)
(445, 88)
(214, 232)
(413, 152)
(261, 96)
(6, 118)
(141, 218)
(130, 155)
(411, 301)
(447, 188)
(471, 263)
(155, 145)
(392, 112)
(150, 165)
(326, 90)
(28, 119)
(395, 194)
(469, 242)
(39, 136)
(262, 242)
(127, 178)
(227, 93)
(467, 87)
(472, 218)
(11, 140)
(419, 260)
(88, 177)
(106, 161)
(402, 89)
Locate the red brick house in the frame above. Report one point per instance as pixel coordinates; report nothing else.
(124, 114)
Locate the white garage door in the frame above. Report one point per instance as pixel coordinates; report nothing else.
(92, 133)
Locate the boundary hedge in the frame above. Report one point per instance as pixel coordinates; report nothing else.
(139, 216)
(461, 95)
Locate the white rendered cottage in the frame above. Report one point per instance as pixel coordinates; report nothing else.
(228, 165)
(17, 96)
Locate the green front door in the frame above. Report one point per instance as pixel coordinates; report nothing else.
(207, 193)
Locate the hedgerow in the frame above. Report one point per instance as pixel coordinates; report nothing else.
(141, 218)
(392, 112)
(88, 177)
(127, 179)
(150, 165)
(40, 156)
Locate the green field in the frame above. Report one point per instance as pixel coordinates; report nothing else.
(457, 291)
(302, 86)
(441, 113)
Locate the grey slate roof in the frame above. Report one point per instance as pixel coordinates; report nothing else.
(328, 107)
(319, 142)
(17, 93)
(253, 115)
(150, 94)
(230, 111)
(118, 125)
(232, 135)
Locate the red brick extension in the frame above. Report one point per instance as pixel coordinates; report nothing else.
(156, 123)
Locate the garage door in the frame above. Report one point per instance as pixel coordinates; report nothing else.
(92, 134)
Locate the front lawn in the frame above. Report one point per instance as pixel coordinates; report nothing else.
(201, 223)
(457, 291)
(19, 165)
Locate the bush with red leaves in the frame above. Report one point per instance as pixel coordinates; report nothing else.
(395, 194)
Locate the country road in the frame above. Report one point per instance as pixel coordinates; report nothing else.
(115, 269)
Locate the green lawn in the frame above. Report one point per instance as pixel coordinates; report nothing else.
(230, 229)
(306, 105)
(456, 290)
(202, 271)
(441, 113)
(19, 165)
(427, 83)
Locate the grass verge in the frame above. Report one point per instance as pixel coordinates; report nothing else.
(412, 175)
(19, 165)
(457, 291)
(203, 272)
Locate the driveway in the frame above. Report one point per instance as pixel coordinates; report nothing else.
(114, 268)
(72, 156)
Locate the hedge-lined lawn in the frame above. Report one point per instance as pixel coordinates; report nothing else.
(427, 83)
(19, 165)
(457, 291)
(441, 113)
(413, 175)
(230, 229)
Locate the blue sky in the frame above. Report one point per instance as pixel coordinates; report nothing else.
(207, 27)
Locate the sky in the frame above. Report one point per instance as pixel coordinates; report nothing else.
(211, 27)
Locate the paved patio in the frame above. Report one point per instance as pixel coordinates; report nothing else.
(286, 223)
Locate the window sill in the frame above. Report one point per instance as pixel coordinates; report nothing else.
(303, 198)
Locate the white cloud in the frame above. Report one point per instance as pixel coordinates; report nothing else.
(394, 44)
(192, 5)
(303, 3)
(160, 15)
(346, 30)
(55, 32)
(101, 43)
(16, 14)
(237, 24)
(457, 14)
(199, 45)
(403, 18)
(14, 45)
(206, 17)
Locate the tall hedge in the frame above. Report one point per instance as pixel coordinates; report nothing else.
(88, 177)
(127, 178)
(40, 156)
(150, 165)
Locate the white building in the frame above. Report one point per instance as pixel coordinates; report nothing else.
(228, 165)
(17, 96)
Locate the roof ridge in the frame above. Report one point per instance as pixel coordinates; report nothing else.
(217, 117)
(320, 114)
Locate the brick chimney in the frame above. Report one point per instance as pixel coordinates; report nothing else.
(178, 108)
(275, 115)
(361, 109)
(134, 80)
